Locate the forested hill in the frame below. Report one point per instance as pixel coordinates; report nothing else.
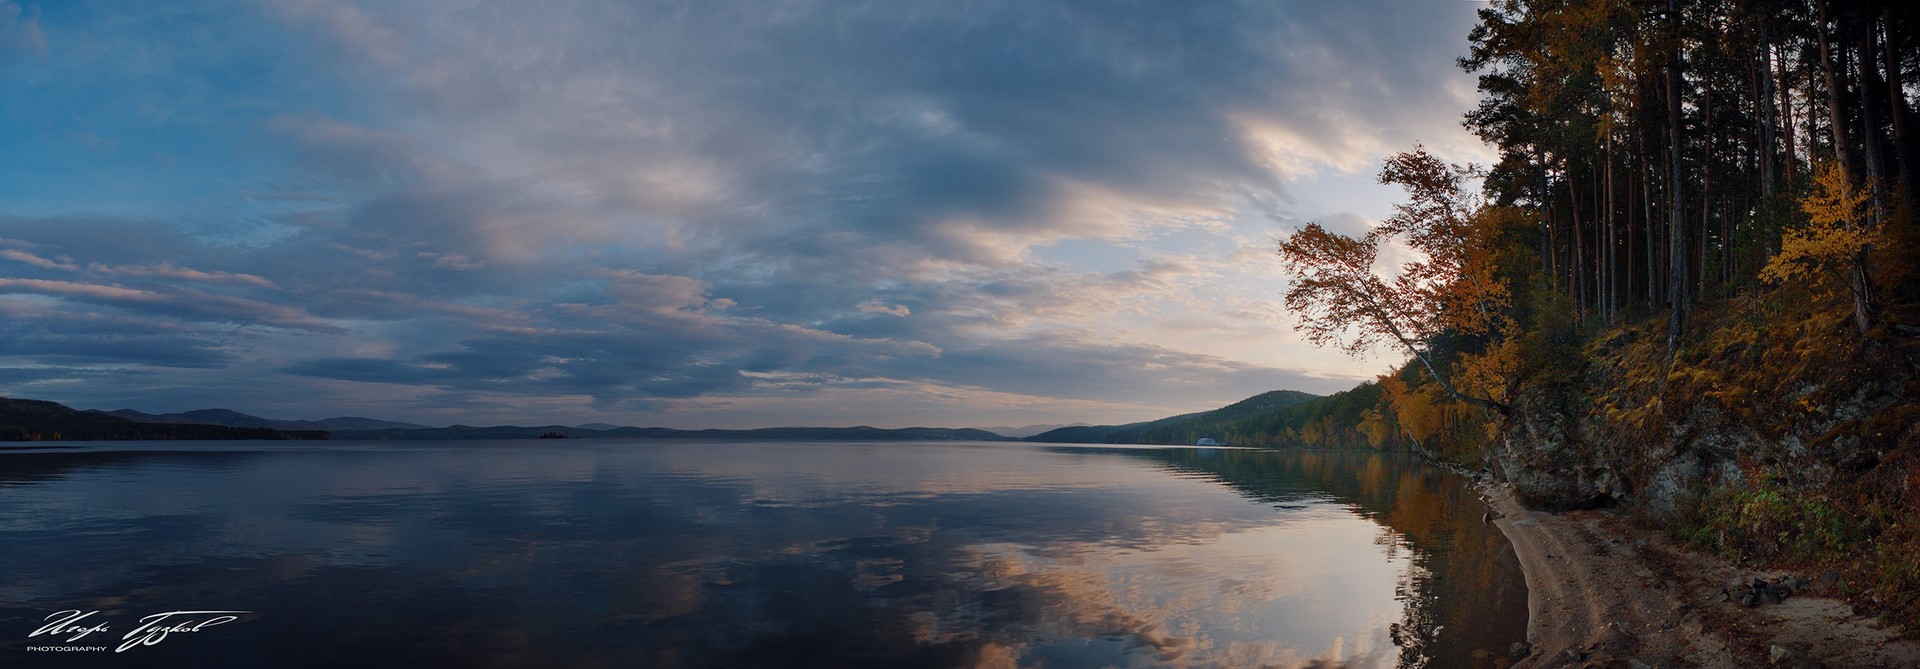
(1184, 428)
(1339, 420)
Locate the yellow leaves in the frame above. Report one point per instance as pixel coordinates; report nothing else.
(1373, 425)
(1839, 229)
(1694, 379)
(1423, 412)
(1488, 373)
(1834, 201)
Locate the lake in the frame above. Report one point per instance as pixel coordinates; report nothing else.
(596, 553)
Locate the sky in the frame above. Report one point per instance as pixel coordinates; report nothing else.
(694, 214)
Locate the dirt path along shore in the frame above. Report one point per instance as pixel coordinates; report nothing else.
(1604, 593)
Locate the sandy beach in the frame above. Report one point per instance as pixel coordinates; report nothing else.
(1605, 593)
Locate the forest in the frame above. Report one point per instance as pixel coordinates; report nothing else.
(1687, 286)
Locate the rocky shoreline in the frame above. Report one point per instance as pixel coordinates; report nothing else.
(1603, 592)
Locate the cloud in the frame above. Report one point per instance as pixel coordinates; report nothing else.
(669, 210)
(170, 271)
(20, 33)
(37, 261)
(56, 338)
(181, 302)
(455, 261)
(348, 25)
(897, 310)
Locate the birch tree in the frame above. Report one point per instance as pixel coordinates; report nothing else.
(1343, 302)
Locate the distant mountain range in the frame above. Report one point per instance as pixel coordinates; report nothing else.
(35, 420)
(236, 419)
(1027, 431)
(858, 433)
(1142, 432)
(38, 420)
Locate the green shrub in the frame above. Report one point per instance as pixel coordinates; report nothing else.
(1769, 520)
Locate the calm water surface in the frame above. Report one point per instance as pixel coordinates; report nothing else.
(636, 554)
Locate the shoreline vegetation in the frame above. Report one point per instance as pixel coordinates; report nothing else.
(1681, 311)
(1682, 307)
(1680, 314)
(1604, 591)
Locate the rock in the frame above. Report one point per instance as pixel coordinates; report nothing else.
(1780, 589)
(1791, 657)
(1551, 466)
(1759, 590)
(1519, 649)
(1671, 488)
(1826, 580)
(1615, 640)
(1763, 591)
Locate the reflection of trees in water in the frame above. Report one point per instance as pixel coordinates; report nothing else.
(1464, 592)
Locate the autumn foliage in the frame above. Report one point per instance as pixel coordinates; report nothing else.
(1691, 272)
(1833, 243)
(1452, 288)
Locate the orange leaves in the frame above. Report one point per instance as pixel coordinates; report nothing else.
(1488, 373)
(1345, 304)
(1838, 228)
(1341, 302)
(1454, 289)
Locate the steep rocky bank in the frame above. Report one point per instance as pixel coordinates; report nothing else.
(1774, 440)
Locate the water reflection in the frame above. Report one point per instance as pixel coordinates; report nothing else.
(760, 555)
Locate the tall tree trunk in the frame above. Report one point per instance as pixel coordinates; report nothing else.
(1871, 114)
(1632, 202)
(1861, 281)
(1647, 172)
(1599, 251)
(1903, 141)
(1835, 91)
(1547, 248)
(1765, 99)
(1706, 192)
(1677, 275)
(1790, 162)
(1577, 261)
(1607, 290)
(1813, 119)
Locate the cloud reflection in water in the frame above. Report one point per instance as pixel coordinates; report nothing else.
(787, 555)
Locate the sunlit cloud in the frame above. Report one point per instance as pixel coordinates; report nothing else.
(712, 214)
